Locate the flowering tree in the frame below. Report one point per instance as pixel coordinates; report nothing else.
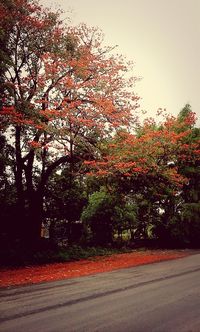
(152, 151)
(149, 166)
(61, 92)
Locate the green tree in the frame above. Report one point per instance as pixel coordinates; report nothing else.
(64, 200)
(153, 165)
(179, 222)
(98, 215)
(189, 165)
(108, 214)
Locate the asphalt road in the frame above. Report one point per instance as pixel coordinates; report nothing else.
(162, 297)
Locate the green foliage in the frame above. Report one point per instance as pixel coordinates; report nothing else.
(183, 114)
(125, 217)
(50, 254)
(190, 218)
(65, 196)
(107, 214)
(98, 215)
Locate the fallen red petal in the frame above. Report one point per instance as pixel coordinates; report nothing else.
(59, 271)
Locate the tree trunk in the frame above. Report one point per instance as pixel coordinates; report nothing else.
(31, 233)
(18, 226)
(33, 221)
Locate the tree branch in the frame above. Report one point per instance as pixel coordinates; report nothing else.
(50, 169)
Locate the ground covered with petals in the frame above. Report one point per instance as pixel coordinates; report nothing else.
(59, 271)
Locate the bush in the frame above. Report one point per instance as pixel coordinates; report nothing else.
(98, 216)
(57, 255)
(106, 215)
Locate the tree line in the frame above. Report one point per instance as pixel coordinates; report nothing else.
(74, 153)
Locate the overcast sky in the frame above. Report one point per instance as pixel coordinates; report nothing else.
(162, 37)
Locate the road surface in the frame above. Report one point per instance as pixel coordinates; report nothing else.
(162, 297)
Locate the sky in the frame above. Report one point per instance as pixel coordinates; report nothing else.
(161, 37)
